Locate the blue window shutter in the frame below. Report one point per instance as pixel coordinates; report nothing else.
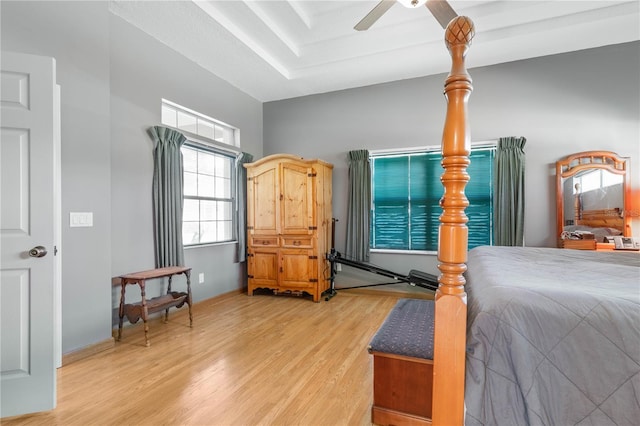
(479, 192)
(406, 200)
(426, 191)
(390, 212)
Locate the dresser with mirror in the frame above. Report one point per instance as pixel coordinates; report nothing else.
(593, 195)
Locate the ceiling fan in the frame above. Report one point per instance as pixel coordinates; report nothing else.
(440, 9)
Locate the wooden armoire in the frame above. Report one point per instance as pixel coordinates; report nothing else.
(289, 217)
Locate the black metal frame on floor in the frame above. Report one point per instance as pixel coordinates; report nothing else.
(415, 277)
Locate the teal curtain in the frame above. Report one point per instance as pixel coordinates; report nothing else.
(168, 191)
(241, 175)
(508, 211)
(359, 205)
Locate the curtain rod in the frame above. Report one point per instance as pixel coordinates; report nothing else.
(488, 143)
(201, 142)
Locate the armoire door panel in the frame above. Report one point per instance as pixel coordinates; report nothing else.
(263, 266)
(264, 212)
(297, 208)
(297, 268)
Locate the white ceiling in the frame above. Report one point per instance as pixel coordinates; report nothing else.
(288, 48)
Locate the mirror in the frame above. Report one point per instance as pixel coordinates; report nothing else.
(592, 193)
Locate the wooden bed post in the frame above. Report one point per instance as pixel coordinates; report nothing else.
(451, 299)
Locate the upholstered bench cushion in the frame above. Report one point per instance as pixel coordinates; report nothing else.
(407, 330)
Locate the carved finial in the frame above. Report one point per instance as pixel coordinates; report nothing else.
(459, 31)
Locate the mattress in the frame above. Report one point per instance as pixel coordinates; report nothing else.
(553, 337)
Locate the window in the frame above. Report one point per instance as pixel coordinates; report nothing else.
(209, 160)
(208, 213)
(596, 179)
(406, 192)
(181, 118)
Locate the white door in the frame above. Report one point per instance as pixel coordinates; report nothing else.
(27, 141)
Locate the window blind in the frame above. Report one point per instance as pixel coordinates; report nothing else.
(406, 192)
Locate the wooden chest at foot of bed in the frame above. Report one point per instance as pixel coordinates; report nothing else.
(402, 352)
(402, 390)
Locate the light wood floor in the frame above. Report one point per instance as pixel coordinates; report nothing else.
(261, 360)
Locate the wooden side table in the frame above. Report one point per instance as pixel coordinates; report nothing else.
(145, 307)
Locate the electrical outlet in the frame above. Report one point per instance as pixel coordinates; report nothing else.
(200, 277)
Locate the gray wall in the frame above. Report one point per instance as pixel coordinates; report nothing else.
(112, 79)
(586, 100)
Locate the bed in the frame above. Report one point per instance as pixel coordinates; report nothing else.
(553, 337)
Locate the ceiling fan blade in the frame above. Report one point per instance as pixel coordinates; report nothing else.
(442, 11)
(374, 15)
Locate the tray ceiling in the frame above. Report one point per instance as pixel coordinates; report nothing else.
(283, 49)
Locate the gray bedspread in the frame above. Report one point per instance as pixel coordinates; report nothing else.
(553, 337)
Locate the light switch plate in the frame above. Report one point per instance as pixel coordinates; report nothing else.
(80, 219)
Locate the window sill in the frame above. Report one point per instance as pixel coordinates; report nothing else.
(197, 246)
(390, 251)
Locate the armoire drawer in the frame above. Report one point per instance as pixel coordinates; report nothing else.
(301, 241)
(266, 241)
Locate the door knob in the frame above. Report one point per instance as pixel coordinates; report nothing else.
(38, 251)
